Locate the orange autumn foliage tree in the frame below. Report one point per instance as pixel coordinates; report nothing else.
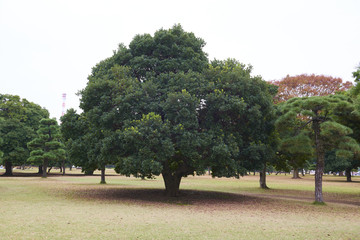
(305, 85)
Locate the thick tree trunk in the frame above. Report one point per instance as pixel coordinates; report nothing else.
(23, 167)
(49, 169)
(45, 165)
(103, 176)
(172, 184)
(172, 178)
(70, 167)
(40, 169)
(263, 178)
(348, 174)
(302, 172)
(296, 173)
(8, 169)
(320, 160)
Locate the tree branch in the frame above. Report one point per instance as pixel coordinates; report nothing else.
(302, 126)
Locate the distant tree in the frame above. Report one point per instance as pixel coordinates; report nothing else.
(356, 74)
(335, 163)
(295, 150)
(350, 117)
(20, 121)
(47, 146)
(76, 135)
(15, 135)
(307, 86)
(325, 133)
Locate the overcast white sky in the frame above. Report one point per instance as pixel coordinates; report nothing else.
(48, 47)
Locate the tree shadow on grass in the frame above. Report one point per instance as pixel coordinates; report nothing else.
(157, 196)
(134, 195)
(208, 199)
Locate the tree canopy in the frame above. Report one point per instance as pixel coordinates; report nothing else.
(305, 85)
(172, 50)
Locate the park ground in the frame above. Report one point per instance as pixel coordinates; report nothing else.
(77, 207)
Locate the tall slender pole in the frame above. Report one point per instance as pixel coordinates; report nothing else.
(63, 104)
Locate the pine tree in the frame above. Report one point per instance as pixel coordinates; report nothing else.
(46, 146)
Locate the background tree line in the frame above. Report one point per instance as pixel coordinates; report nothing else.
(28, 136)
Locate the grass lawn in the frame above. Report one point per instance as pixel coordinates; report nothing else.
(77, 207)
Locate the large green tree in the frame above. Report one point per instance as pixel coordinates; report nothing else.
(122, 87)
(159, 107)
(47, 146)
(20, 121)
(325, 133)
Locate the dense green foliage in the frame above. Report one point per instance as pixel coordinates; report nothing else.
(78, 141)
(172, 50)
(19, 121)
